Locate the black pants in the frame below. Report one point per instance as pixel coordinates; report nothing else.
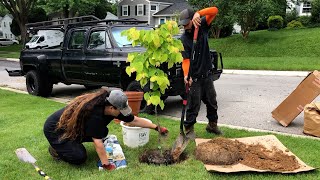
(201, 89)
(72, 152)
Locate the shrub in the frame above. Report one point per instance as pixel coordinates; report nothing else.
(294, 25)
(305, 20)
(290, 16)
(275, 22)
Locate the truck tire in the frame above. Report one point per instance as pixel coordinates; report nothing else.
(37, 85)
(135, 86)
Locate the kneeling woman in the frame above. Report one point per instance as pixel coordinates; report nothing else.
(86, 119)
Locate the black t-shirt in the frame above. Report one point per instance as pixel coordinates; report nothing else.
(95, 126)
(201, 63)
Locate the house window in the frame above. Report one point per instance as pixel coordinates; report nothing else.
(125, 10)
(140, 10)
(162, 20)
(306, 7)
(4, 24)
(11, 36)
(153, 8)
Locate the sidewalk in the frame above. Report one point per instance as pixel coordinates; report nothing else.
(235, 71)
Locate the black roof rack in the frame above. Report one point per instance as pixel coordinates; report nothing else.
(78, 21)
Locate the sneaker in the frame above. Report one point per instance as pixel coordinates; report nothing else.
(212, 127)
(53, 153)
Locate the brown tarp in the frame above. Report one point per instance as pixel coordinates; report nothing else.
(269, 141)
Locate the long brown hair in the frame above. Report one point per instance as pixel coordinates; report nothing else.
(73, 118)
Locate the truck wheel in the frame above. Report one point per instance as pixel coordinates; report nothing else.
(37, 85)
(135, 86)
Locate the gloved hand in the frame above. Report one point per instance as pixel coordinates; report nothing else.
(109, 166)
(163, 130)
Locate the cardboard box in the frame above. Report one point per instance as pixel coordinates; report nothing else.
(304, 94)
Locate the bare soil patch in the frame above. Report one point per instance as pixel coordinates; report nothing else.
(222, 151)
(157, 157)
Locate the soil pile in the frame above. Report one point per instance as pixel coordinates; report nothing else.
(222, 151)
(155, 157)
(219, 151)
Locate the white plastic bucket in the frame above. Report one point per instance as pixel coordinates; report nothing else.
(135, 136)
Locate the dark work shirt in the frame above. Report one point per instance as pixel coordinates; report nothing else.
(95, 126)
(201, 63)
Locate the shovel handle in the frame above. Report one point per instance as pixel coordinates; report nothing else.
(41, 173)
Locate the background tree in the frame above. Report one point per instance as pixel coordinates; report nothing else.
(3, 10)
(37, 14)
(225, 17)
(72, 8)
(271, 8)
(20, 10)
(315, 11)
(249, 13)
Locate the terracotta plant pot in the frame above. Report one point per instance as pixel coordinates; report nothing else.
(134, 100)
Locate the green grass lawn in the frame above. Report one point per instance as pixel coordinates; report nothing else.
(12, 51)
(21, 121)
(271, 50)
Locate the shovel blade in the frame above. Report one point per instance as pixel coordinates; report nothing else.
(179, 146)
(25, 156)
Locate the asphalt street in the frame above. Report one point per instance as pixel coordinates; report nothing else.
(243, 100)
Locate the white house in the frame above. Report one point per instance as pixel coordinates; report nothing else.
(303, 8)
(5, 31)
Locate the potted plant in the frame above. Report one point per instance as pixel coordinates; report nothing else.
(162, 49)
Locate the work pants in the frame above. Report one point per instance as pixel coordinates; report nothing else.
(201, 89)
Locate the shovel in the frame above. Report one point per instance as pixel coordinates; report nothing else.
(182, 141)
(25, 156)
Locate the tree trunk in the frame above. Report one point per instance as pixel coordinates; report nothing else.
(216, 32)
(23, 30)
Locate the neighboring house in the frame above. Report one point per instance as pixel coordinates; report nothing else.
(303, 8)
(5, 31)
(155, 12)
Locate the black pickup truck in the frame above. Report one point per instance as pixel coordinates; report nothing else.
(92, 54)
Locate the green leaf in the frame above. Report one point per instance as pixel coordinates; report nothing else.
(155, 100)
(146, 96)
(153, 78)
(138, 66)
(128, 71)
(130, 57)
(161, 105)
(156, 41)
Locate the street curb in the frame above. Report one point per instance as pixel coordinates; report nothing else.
(60, 100)
(235, 71)
(267, 73)
(10, 59)
(249, 129)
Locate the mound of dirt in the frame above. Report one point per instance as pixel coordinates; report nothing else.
(219, 151)
(154, 156)
(222, 151)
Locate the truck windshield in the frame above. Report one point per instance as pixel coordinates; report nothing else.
(122, 40)
(34, 39)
